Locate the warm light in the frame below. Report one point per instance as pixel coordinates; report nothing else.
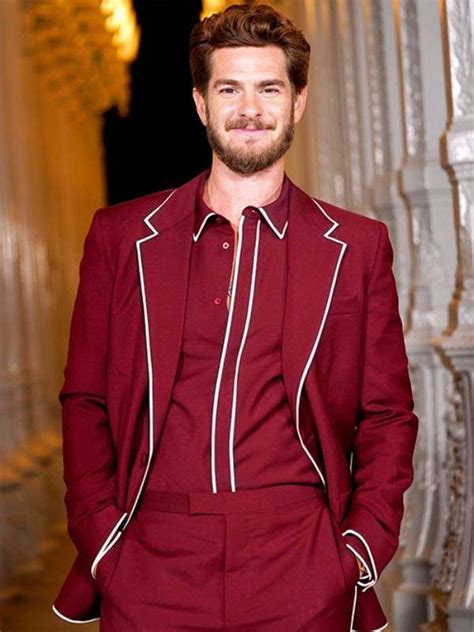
(212, 6)
(215, 6)
(120, 20)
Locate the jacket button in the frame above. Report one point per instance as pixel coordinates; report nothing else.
(144, 458)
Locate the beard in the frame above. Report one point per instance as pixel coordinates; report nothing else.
(247, 160)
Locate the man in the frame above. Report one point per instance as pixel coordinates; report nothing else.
(237, 413)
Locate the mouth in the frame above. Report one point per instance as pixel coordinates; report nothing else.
(249, 132)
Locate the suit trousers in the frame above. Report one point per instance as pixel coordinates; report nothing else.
(269, 559)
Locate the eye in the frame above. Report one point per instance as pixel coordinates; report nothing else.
(227, 91)
(271, 90)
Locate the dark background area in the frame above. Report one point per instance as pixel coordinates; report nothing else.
(161, 143)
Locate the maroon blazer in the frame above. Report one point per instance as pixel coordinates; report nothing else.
(344, 368)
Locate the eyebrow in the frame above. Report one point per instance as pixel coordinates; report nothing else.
(259, 84)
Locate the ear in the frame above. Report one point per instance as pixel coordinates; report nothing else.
(200, 103)
(300, 104)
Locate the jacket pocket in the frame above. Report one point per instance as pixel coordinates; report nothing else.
(107, 565)
(348, 561)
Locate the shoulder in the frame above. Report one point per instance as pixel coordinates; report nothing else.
(351, 223)
(116, 228)
(118, 218)
(367, 238)
(347, 225)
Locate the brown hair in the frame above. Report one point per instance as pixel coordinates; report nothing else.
(248, 25)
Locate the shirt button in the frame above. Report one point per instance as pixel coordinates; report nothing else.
(217, 300)
(226, 245)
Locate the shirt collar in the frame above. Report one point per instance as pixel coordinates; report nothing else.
(275, 214)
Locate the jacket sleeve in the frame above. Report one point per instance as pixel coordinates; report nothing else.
(384, 441)
(88, 451)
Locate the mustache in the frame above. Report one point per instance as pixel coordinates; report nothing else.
(244, 122)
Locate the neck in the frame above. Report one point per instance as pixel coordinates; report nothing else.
(228, 193)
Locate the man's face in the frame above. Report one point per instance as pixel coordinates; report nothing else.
(249, 110)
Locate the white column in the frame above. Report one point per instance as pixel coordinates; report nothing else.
(454, 580)
(353, 124)
(426, 191)
(385, 137)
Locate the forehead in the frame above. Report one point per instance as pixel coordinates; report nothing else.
(245, 62)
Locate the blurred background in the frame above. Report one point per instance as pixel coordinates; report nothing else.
(96, 108)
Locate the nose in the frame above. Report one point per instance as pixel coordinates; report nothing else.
(250, 105)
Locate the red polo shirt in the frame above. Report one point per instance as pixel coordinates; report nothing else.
(229, 425)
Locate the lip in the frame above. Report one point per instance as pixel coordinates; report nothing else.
(250, 133)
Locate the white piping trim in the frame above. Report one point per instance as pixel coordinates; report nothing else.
(365, 585)
(377, 630)
(108, 544)
(354, 602)
(61, 616)
(196, 236)
(279, 234)
(318, 337)
(138, 244)
(368, 573)
(221, 361)
(147, 218)
(371, 557)
(239, 355)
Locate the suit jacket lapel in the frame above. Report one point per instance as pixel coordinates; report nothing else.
(163, 261)
(314, 258)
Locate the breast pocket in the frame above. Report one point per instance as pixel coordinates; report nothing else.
(348, 304)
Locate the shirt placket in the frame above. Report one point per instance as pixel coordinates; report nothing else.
(226, 393)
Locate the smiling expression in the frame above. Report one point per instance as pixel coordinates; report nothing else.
(250, 109)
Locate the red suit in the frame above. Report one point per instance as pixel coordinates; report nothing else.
(343, 362)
